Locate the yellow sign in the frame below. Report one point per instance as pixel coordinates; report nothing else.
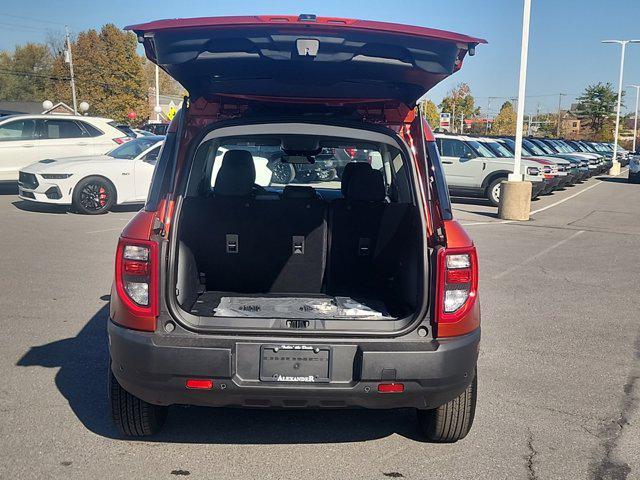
(172, 113)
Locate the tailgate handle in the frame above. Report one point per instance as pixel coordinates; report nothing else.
(307, 47)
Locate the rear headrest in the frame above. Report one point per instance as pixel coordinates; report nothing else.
(298, 191)
(237, 174)
(349, 168)
(366, 186)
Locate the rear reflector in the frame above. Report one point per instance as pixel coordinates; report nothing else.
(391, 387)
(199, 384)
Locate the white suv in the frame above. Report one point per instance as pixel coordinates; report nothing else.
(25, 139)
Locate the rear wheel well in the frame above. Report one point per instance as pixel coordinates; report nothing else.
(490, 178)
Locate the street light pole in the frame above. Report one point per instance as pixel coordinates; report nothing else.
(615, 168)
(157, 108)
(524, 52)
(514, 202)
(635, 119)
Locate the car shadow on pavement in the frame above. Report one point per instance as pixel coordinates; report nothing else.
(8, 188)
(27, 206)
(614, 179)
(82, 379)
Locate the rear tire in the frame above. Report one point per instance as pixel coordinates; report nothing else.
(493, 191)
(634, 177)
(282, 173)
(452, 421)
(132, 416)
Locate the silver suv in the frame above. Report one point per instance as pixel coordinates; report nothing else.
(473, 170)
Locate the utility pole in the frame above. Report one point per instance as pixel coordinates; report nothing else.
(529, 127)
(462, 123)
(635, 120)
(559, 129)
(69, 60)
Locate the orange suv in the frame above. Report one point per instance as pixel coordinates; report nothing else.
(232, 289)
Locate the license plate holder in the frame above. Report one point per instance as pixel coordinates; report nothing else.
(295, 363)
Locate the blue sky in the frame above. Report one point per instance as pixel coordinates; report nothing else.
(565, 49)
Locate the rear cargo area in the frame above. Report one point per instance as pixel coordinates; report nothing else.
(345, 249)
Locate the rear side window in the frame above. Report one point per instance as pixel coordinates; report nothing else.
(18, 130)
(126, 129)
(89, 130)
(450, 147)
(57, 129)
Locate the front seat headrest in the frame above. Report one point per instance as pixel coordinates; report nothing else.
(366, 186)
(349, 168)
(299, 191)
(237, 174)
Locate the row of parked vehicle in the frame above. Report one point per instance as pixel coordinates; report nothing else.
(476, 166)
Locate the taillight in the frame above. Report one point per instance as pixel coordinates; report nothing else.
(457, 284)
(137, 278)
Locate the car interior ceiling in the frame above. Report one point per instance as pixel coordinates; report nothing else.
(324, 249)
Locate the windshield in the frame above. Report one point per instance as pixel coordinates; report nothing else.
(544, 147)
(498, 149)
(480, 149)
(133, 148)
(532, 147)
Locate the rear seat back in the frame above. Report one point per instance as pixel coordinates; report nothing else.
(244, 244)
(367, 237)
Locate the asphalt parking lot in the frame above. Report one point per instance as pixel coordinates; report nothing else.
(559, 368)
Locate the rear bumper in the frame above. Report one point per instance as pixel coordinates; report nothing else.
(154, 367)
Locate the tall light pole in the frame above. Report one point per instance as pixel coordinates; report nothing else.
(522, 85)
(515, 194)
(157, 107)
(635, 119)
(615, 168)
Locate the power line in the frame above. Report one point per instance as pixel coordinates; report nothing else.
(22, 26)
(4, 71)
(31, 19)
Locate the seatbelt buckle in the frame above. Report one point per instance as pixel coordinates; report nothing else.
(232, 243)
(364, 247)
(298, 245)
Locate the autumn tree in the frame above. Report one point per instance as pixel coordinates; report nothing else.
(109, 74)
(596, 106)
(431, 113)
(505, 121)
(25, 73)
(459, 101)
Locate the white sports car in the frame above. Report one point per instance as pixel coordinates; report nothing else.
(93, 184)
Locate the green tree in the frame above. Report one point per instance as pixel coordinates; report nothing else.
(505, 121)
(25, 73)
(459, 101)
(431, 113)
(597, 106)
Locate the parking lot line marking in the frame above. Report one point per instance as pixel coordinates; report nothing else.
(565, 199)
(538, 255)
(471, 224)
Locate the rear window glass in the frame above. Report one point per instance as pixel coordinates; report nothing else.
(321, 168)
